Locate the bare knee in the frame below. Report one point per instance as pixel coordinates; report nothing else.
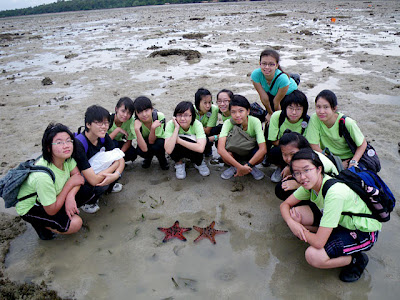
(316, 257)
(76, 224)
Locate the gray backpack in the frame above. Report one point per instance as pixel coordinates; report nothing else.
(12, 181)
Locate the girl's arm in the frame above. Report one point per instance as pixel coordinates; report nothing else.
(263, 97)
(359, 152)
(126, 146)
(196, 147)
(259, 155)
(316, 147)
(113, 173)
(152, 135)
(297, 228)
(171, 141)
(139, 137)
(279, 96)
(230, 160)
(116, 131)
(318, 239)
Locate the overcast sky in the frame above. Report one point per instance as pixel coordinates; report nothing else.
(12, 4)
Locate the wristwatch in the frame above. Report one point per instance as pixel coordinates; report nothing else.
(353, 162)
(250, 165)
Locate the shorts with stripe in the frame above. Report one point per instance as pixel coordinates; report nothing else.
(38, 217)
(343, 241)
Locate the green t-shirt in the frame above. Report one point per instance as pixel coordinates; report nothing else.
(254, 129)
(223, 117)
(318, 133)
(340, 198)
(329, 167)
(196, 129)
(42, 184)
(159, 130)
(127, 126)
(209, 119)
(275, 133)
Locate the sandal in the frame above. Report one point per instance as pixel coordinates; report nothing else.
(354, 270)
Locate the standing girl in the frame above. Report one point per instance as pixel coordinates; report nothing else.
(50, 206)
(335, 240)
(271, 83)
(185, 138)
(149, 128)
(121, 128)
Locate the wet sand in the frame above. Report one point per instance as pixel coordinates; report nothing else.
(99, 56)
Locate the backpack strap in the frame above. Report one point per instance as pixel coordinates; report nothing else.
(81, 137)
(273, 81)
(343, 132)
(282, 118)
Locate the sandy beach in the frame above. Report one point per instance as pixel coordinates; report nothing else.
(96, 57)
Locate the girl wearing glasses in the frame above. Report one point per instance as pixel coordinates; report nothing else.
(224, 97)
(293, 117)
(120, 128)
(335, 240)
(50, 206)
(207, 114)
(271, 83)
(323, 130)
(185, 138)
(290, 143)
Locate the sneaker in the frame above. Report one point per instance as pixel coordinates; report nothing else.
(116, 188)
(180, 171)
(203, 169)
(276, 176)
(228, 173)
(354, 270)
(146, 163)
(90, 208)
(257, 173)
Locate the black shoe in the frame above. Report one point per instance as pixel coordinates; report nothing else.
(354, 270)
(146, 163)
(265, 162)
(164, 164)
(44, 233)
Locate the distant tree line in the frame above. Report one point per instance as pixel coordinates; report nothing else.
(77, 5)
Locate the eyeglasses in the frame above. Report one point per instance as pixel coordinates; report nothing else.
(297, 174)
(223, 101)
(271, 65)
(186, 116)
(104, 123)
(67, 142)
(295, 109)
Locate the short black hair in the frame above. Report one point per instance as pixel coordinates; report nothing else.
(142, 103)
(127, 102)
(329, 96)
(201, 92)
(96, 113)
(47, 140)
(296, 97)
(184, 106)
(308, 154)
(291, 137)
(239, 100)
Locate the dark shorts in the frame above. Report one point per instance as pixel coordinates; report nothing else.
(343, 241)
(38, 217)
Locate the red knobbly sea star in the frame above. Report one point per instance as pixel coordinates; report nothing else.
(174, 231)
(208, 232)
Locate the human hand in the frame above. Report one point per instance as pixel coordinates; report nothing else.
(108, 178)
(137, 124)
(76, 179)
(268, 117)
(156, 124)
(298, 230)
(243, 170)
(70, 206)
(285, 172)
(290, 184)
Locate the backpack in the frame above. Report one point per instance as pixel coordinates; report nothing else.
(369, 159)
(257, 111)
(371, 189)
(12, 181)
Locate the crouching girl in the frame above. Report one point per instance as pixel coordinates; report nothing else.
(242, 161)
(185, 138)
(336, 240)
(149, 130)
(50, 206)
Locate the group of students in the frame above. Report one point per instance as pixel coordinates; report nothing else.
(290, 140)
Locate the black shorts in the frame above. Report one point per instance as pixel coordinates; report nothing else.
(38, 217)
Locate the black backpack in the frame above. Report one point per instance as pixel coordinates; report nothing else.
(12, 181)
(371, 189)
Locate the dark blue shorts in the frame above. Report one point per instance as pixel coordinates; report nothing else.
(38, 217)
(343, 241)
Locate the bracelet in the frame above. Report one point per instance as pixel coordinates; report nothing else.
(215, 138)
(116, 171)
(250, 165)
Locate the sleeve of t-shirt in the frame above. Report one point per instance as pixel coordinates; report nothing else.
(282, 81)
(212, 121)
(313, 134)
(199, 130)
(333, 206)
(258, 130)
(160, 132)
(169, 129)
(45, 189)
(81, 157)
(108, 143)
(354, 131)
(255, 75)
(302, 194)
(226, 127)
(273, 126)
